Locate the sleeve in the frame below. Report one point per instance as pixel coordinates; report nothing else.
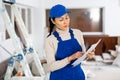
(50, 56)
(80, 39)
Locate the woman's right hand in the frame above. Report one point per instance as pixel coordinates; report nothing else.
(75, 56)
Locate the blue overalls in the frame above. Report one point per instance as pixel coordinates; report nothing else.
(65, 49)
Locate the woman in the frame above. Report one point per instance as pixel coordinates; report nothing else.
(63, 46)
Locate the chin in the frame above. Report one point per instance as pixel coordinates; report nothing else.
(66, 28)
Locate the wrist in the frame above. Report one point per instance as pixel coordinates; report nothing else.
(69, 59)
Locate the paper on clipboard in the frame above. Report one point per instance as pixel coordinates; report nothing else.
(79, 60)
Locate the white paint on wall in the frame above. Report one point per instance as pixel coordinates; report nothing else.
(38, 27)
(112, 18)
(33, 3)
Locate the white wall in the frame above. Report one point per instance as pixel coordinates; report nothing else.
(38, 22)
(38, 26)
(33, 3)
(111, 11)
(112, 18)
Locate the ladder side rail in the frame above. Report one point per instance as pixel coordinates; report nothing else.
(9, 70)
(15, 39)
(26, 36)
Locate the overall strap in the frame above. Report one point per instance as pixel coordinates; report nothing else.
(57, 36)
(71, 33)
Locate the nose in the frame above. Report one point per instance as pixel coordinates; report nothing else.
(65, 21)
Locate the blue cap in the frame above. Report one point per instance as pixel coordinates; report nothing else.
(57, 11)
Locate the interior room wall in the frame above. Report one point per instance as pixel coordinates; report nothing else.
(38, 27)
(111, 16)
(111, 11)
(33, 3)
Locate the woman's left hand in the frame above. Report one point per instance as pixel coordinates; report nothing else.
(91, 54)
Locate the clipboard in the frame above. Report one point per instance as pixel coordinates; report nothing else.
(79, 60)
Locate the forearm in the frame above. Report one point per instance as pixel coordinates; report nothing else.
(56, 65)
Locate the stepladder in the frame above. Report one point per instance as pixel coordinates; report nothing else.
(23, 70)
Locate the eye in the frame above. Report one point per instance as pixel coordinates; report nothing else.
(61, 19)
(67, 17)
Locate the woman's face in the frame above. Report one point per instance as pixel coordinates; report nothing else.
(62, 23)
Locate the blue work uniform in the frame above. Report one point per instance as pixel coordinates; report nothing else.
(65, 49)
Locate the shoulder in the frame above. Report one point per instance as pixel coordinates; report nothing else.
(77, 31)
(50, 39)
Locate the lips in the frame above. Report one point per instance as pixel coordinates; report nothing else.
(65, 26)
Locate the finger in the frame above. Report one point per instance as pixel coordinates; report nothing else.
(93, 50)
(86, 58)
(92, 53)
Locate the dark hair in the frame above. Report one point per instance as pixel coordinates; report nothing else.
(51, 26)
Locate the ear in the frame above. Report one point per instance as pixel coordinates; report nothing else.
(53, 21)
